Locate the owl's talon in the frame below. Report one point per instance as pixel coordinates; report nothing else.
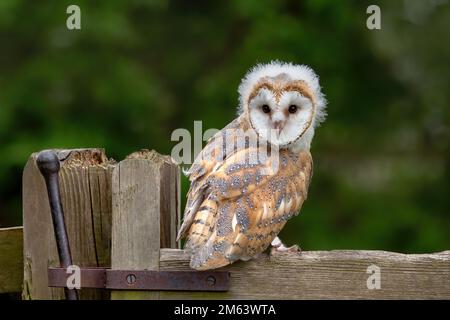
(279, 247)
(283, 249)
(294, 249)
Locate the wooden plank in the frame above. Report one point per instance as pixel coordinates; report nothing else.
(169, 200)
(340, 274)
(311, 275)
(179, 210)
(169, 181)
(144, 204)
(100, 179)
(11, 259)
(85, 180)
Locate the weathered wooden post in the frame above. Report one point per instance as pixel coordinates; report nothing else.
(145, 211)
(85, 182)
(142, 197)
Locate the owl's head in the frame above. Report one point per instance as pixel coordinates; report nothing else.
(283, 103)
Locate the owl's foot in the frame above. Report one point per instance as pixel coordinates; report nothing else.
(294, 249)
(279, 247)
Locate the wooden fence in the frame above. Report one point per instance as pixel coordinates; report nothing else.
(125, 216)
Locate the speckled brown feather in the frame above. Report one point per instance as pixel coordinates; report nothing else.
(233, 211)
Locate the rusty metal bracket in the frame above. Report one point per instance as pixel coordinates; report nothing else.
(143, 279)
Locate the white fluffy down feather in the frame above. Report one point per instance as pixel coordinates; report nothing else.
(296, 72)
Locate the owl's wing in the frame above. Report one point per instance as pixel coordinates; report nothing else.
(207, 161)
(243, 206)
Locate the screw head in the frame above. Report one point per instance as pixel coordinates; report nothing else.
(211, 281)
(131, 279)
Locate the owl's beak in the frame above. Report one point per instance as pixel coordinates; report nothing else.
(278, 126)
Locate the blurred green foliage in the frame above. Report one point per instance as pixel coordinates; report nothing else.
(138, 69)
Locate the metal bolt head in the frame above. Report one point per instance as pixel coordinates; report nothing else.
(131, 279)
(48, 162)
(211, 281)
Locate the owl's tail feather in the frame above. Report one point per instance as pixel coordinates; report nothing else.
(219, 251)
(189, 215)
(202, 225)
(210, 256)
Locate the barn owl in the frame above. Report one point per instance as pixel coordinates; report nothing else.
(242, 193)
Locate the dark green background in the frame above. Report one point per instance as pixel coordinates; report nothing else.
(137, 70)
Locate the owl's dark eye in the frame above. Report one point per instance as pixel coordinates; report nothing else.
(293, 108)
(265, 108)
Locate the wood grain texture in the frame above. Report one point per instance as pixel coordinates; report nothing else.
(340, 274)
(11, 259)
(170, 203)
(145, 202)
(85, 183)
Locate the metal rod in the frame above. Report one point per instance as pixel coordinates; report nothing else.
(48, 164)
